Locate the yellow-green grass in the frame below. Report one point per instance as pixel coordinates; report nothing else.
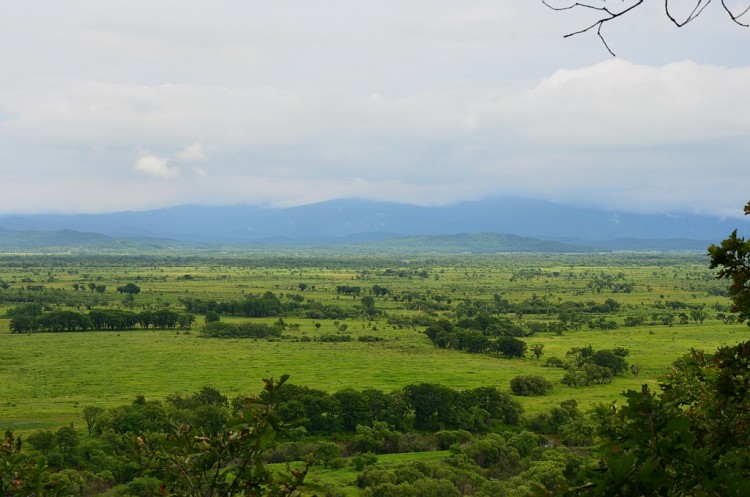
(47, 379)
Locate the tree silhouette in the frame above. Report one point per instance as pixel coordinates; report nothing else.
(610, 13)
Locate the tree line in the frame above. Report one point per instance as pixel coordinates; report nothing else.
(270, 305)
(30, 318)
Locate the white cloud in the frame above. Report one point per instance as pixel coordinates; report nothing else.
(621, 104)
(424, 101)
(193, 152)
(155, 166)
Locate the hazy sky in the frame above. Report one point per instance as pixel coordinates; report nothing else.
(130, 105)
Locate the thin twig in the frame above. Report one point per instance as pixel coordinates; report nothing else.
(736, 18)
(598, 24)
(700, 6)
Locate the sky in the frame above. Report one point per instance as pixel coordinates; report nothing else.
(135, 105)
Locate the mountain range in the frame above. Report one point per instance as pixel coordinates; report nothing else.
(363, 222)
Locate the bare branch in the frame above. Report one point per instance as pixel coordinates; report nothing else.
(609, 14)
(736, 18)
(699, 6)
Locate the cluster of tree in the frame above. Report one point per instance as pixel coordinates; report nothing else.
(257, 306)
(270, 305)
(424, 407)
(556, 327)
(438, 407)
(353, 291)
(206, 410)
(506, 464)
(491, 325)
(219, 329)
(29, 318)
(379, 291)
(585, 366)
(572, 427)
(50, 297)
(528, 385)
(406, 273)
(568, 311)
(610, 282)
(602, 323)
(428, 305)
(445, 335)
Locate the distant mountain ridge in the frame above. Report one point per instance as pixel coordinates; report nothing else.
(363, 220)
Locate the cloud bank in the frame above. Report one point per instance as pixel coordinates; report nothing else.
(436, 105)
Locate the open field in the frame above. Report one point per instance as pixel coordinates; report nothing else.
(47, 378)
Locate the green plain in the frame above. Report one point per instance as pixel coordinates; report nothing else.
(47, 379)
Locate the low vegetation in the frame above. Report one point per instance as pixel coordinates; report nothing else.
(441, 375)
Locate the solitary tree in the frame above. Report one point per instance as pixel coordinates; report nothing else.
(510, 347)
(368, 304)
(130, 288)
(537, 350)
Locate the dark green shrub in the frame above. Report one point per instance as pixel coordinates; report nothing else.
(530, 385)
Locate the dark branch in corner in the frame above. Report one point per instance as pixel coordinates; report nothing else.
(736, 18)
(699, 6)
(598, 24)
(611, 15)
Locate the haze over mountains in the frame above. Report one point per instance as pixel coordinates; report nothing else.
(361, 221)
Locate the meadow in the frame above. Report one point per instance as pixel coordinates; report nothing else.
(46, 379)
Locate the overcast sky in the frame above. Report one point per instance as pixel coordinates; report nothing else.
(131, 105)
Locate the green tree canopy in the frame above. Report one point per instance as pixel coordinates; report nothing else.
(732, 256)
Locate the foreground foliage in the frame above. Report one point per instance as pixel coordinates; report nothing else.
(193, 463)
(733, 257)
(690, 439)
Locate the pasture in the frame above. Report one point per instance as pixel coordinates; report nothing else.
(46, 379)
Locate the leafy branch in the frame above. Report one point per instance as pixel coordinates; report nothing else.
(196, 464)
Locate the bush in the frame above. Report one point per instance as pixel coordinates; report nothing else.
(335, 338)
(575, 378)
(361, 461)
(577, 432)
(554, 362)
(144, 487)
(530, 385)
(446, 438)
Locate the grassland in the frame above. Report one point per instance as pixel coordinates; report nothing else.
(47, 379)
